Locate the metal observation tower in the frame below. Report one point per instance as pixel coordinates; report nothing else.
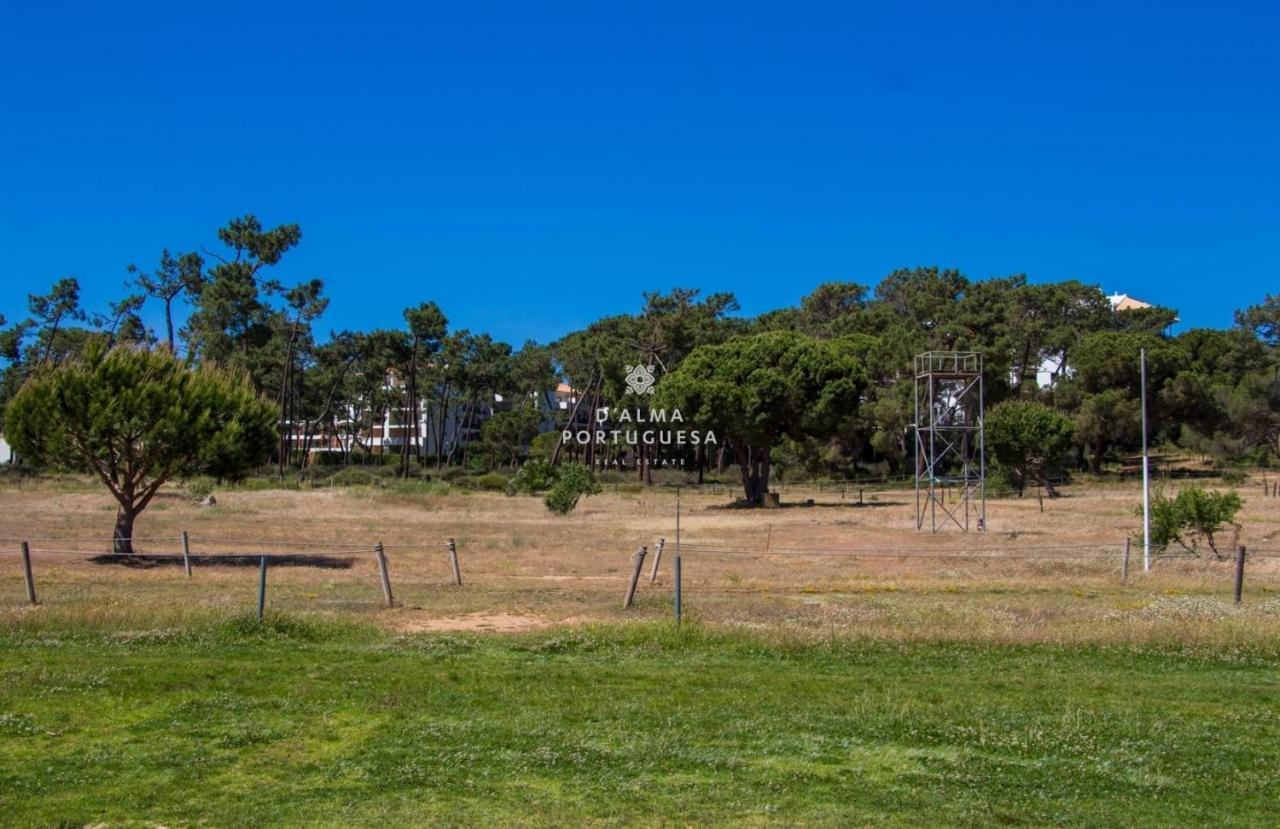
(951, 463)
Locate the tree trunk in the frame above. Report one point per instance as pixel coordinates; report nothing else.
(747, 472)
(122, 535)
(590, 451)
(444, 424)
(573, 419)
(286, 442)
(168, 323)
(410, 430)
(754, 467)
(1022, 368)
(459, 433)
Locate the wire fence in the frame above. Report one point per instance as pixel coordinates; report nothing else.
(266, 553)
(193, 551)
(1002, 553)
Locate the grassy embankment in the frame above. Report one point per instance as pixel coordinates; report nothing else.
(308, 722)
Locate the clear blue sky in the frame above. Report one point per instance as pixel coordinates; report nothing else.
(532, 167)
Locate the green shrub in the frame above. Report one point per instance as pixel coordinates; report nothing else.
(316, 473)
(452, 473)
(534, 475)
(199, 488)
(613, 476)
(544, 445)
(574, 481)
(1027, 439)
(1193, 515)
(671, 476)
(492, 482)
(1232, 476)
(1000, 483)
(18, 473)
(351, 476)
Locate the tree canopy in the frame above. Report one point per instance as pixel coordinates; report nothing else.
(757, 390)
(773, 386)
(136, 418)
(1028, 439)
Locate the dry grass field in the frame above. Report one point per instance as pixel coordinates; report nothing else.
(1042, 576)
(914, 685)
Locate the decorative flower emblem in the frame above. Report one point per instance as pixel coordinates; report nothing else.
(640, 379)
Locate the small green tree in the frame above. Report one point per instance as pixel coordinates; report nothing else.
(574, 481)
(1105, 419)
(137, 418)
(1195, 513)
(757, 390)
(1027, 438)
(534, 475)
(506, 435)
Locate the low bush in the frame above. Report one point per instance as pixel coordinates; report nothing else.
(534, 475)
(1000, 483)
(199, 488)
(492, 482)
(574, 481)
(351, 476)
(1195, 514)
(452, 473)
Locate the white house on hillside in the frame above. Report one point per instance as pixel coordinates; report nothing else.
(1051, 365)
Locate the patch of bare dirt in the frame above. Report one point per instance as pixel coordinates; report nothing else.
(475, 622)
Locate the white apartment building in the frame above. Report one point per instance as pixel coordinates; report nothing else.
(359, 429)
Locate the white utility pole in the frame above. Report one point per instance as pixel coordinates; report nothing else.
(1146, 473)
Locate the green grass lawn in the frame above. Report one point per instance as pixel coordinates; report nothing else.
(306, 723)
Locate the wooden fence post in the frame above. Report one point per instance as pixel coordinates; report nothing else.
(1124, 562)
(26, 572)
(1239, 573)
(186, 553)
(380, 554)
(453, 562)
(637, 561)
(657, 560)
(262, 587)
(678, 596)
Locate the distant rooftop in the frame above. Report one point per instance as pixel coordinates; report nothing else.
(1124, 302)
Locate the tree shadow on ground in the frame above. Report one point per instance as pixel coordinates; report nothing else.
(146, 561)
(740, 504)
